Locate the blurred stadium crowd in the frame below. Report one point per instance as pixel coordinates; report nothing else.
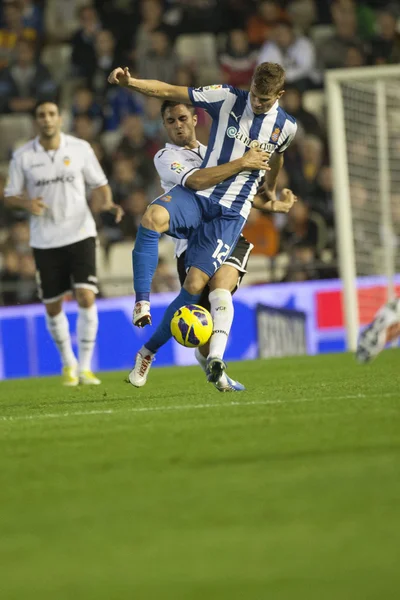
(65, 50)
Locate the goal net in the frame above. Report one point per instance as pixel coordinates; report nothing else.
(364, 140)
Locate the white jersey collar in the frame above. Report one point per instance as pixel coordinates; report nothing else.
(39, 148)
(175, 147)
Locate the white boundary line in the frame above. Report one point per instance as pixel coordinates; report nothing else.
(175, 408)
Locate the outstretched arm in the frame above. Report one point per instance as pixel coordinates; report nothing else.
(254, 159)
(149, 87)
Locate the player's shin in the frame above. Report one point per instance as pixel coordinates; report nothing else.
(222, 313)
(58, 328)
(87, 326)
(144, 262)
(163, 331)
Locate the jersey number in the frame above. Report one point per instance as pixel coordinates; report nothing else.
(220, 253)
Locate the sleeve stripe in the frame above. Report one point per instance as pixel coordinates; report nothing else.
(191, 95)
(186, 175)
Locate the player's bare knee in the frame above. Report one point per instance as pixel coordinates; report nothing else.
(195, 281)
(226, 278)
(156, 218)
(53, 308)
(84, 297)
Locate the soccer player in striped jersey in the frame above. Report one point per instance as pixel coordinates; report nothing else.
(211, 219)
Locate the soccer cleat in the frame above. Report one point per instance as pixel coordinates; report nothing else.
(70, 376)
(88, 378)
(383, 329)
(139, 373)
(215, 368)
(141, 314)
(226, 384)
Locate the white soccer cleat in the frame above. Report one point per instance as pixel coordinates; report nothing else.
(70, 376)
(88, 378)
(141, 314)
(383, 329)
(226, 384)
(139, 373)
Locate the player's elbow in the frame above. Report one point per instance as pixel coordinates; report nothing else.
(194, 183)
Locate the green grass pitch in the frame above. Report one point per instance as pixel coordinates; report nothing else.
(290, 490)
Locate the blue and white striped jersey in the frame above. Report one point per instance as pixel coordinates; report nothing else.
(234, 130)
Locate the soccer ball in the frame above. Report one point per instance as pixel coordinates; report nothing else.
(192, 326)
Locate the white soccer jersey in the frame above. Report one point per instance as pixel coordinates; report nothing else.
(59, 178)
(174, 164)
(235, 129)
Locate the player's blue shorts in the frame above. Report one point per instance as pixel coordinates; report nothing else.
(212, 230)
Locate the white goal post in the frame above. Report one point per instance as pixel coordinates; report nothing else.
(364, 142)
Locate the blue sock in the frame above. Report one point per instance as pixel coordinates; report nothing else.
(144, 261)
(163, 332)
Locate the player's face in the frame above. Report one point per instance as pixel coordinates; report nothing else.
(48, 120)
(180, 124)
(262, 103)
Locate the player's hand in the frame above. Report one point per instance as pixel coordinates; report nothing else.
(118, 212)
(285, 202)
(37, 207)
(287, 199)
(120, 77)
(256, 160)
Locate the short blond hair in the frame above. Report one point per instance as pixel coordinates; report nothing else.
(269, 77)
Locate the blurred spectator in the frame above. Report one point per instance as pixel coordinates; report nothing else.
(105, 61)
(13, 29)
(239, 61)
(354, 57)
(295, 53)
(198, 16)
(32, 16)
(321, 198)
(102, 157)
(332, 52)
(303, 179)
(261, 24)
(165, 277)
(62, 19)
(124, 180)
(299, 229)
(118, 104)
(185, 76)
(302, 264)
(151, 20)
(83, 103)
(303, 13)
(83, 56)
(18, 237)
(27, 288)
(134, 143)
(152, 123)
(386, 45)
(25, 82)
(84, 128)
(292, 102)
(134, 205)
(9, 277)
(260, 230)
(160, 61)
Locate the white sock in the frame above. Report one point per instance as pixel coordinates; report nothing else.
(86, 329)
(58, 327)
(200, 359)
(222, 314)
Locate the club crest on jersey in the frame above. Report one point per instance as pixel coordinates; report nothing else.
(177, 167)
(233, 132)
(275, 134)
(67, 161)
(165, 198)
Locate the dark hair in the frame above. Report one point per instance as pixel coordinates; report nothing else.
(269, 77)
(46, 101)
(171, 104)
